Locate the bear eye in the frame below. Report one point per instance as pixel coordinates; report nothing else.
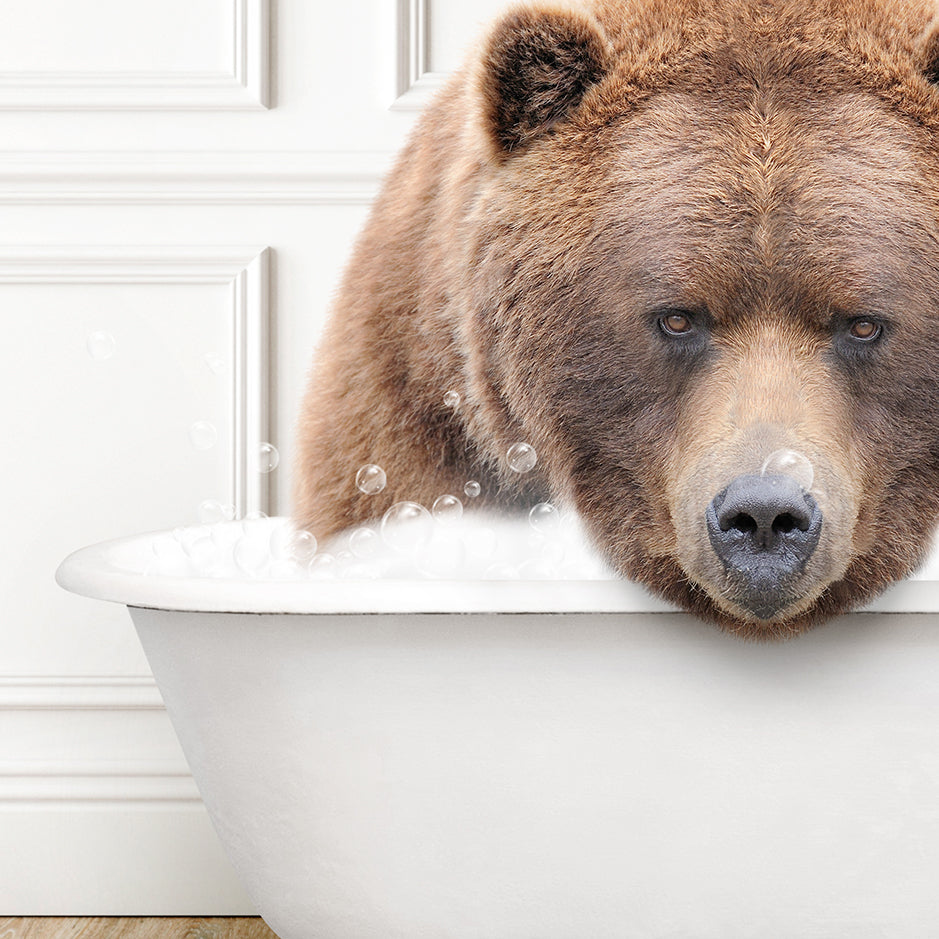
(864, 330)
(676, 324)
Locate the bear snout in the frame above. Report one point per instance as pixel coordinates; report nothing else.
(763, 530)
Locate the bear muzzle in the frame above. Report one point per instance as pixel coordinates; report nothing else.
(763, 529)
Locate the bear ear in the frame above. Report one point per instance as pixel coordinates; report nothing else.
(928, 52)
(537, 66)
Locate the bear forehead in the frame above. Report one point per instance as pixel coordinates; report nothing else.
(826, 199)
(651, 38)
(744, 156)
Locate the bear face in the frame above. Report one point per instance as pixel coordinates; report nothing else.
(692, 257)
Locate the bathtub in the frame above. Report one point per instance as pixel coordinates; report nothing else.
(398, 759)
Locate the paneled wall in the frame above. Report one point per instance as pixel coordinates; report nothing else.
(180, 185)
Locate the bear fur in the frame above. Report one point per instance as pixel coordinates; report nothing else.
(763, 173)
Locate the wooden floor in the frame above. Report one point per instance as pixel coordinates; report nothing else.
(132, 927)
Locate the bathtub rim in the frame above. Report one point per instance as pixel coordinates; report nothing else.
(92, 572)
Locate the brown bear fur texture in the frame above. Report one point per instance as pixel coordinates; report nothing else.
(763, 176)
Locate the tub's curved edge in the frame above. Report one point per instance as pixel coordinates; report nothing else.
(83, 572)
(92, 572)
(361, 598)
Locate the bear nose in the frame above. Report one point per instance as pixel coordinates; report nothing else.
(763, 529)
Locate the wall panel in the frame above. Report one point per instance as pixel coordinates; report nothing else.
(152, 152)
(176, 54)
(434, 39)
(146, 379)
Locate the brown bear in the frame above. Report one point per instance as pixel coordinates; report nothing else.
(662, 241)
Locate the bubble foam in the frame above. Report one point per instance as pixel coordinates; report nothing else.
(409, 544)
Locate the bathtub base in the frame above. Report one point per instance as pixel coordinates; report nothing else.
(584, 775)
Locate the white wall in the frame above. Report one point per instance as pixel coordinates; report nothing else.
(186, 177)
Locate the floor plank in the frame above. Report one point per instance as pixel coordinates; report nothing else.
(133, 927)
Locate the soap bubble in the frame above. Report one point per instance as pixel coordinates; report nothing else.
(187, 534)
(364, 542)
(323, 566)
(302, 546)
(472, 489)
(268, 458)
(171, 567)
(443, 557)
(281, 540)
(501, 571)
(170, 557)
(166, 548)
(447, 509)
(211, 512)
(250, 554)
(215, 363)
(224, 537)
(482, 544)
(538, 569)
(254, 524)
(288, 543)
(354, 569)
(545, 518)
(101, 345)
(552, 552)
(203, 435)
(790, 463)
(452, 399)
(406, 526)
(287, 569)
(521, 457)
(202, 552)
(370, 479)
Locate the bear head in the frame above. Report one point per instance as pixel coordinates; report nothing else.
(690, 252)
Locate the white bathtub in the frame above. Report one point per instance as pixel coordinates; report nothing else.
(518, 760)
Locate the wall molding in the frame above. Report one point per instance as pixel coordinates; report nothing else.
(245, 270)
(97, 781)
(250, 293)
(79, 693)
(244, 87)
(191, 178)
(33, 701)
(415, 83)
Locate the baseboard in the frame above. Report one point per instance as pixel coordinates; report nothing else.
(99, 815)
(115, 860)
